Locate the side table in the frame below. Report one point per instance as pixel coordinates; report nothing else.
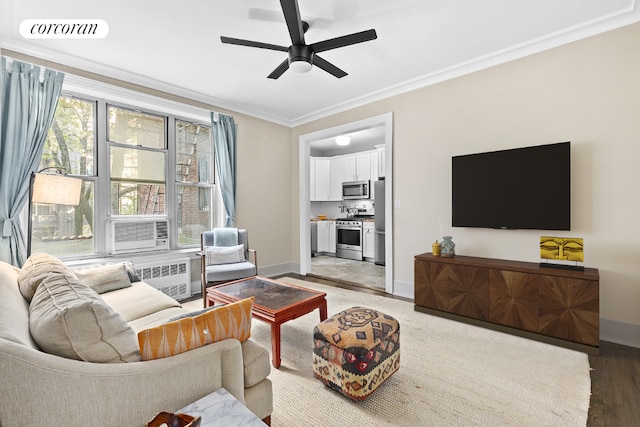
(221, 409)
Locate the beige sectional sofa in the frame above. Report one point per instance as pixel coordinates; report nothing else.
(39, 388)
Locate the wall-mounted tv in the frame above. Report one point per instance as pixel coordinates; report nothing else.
(521, 188)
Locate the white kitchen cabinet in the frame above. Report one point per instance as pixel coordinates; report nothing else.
(357, 167)
(327, 236)
(323, 236)
(337, 177)
(381, 161)
(332, 237)
(363, 167)
(322, 179)
(328, 174)
(374, 173)
(375, 167)
(368, 238)
(350, 172)
(312, 179)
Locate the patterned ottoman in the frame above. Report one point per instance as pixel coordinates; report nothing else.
(356, 350)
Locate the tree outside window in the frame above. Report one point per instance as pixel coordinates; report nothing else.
(70, 145)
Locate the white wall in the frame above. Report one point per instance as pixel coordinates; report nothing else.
(587, 92)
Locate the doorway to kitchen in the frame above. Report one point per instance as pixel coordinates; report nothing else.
(375, 267)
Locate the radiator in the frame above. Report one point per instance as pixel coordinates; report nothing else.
(173, 277)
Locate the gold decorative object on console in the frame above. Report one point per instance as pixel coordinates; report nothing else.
(435, 248)
(562, 248)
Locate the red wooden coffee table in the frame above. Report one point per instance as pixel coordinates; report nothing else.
(275, 303)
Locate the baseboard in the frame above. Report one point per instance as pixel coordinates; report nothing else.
(620, 332)
(403, 289)
(278, 269)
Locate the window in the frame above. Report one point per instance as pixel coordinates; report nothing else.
(194, 186)
(70, 145)
(132, 163)
(137, 143)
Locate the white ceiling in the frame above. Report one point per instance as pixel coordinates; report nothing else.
(174, 46)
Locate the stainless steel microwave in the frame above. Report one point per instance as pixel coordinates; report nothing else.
(352, 190)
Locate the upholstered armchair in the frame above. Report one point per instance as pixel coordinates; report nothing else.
(226, 256)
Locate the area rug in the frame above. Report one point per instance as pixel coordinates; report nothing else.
(451, 374)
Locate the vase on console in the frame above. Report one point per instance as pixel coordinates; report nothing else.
(447, 247)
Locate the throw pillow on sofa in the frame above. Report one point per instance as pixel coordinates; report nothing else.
(224, 322)
(69, 319)
(105, 278)
(35, 269)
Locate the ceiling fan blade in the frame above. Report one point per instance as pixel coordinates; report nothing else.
(280, 69)
(362, 36)
(249, 43)
(294, 22)
(328, 67)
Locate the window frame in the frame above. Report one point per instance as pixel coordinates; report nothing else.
(164, 150)
(101, 177)
(211, 185)
(88, 178)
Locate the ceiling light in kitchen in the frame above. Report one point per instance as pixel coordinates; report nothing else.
(343, 140)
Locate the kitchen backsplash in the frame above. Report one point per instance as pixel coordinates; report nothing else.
(332, 209)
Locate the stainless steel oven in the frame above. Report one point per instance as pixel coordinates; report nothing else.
(349, 239)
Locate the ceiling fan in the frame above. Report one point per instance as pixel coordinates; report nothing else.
(303, 56)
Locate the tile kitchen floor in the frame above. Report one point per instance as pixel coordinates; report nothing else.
(347, 270)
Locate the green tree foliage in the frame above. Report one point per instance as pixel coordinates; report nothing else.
(70, 145)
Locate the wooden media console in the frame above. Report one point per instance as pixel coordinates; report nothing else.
(557, 306)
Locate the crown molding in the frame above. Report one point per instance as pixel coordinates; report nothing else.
(105, 76)
(118, 78)
(628, 16)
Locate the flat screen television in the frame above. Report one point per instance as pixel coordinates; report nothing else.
(521, 188)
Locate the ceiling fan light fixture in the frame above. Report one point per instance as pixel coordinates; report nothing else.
(302, 56)
(300, 66)
(343, 140)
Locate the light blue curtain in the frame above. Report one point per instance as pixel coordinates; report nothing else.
(224, 137)
(27, 106)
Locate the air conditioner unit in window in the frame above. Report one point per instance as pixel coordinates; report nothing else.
(139, 235)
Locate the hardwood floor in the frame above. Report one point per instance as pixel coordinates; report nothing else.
(615, 376)
(615, 386)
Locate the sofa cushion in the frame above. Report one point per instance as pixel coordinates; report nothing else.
(138, 301)
(35, 269)
(156, 319)
(227, 272)
(228, 321)
(104, 278)
(255, 359)
(69, 319)
(131, 271)
(195, 313)
(14, 308)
